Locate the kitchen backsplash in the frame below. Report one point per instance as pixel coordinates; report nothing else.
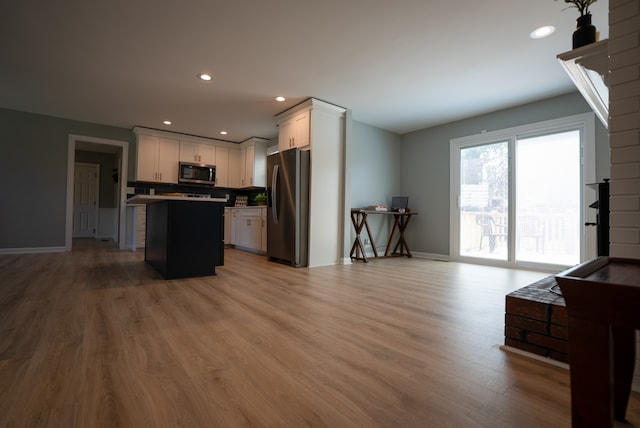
(159, 188)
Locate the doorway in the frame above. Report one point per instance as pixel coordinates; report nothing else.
(121, 150)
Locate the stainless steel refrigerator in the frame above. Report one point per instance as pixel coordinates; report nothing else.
(288, 207)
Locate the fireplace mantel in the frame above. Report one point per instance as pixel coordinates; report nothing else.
(588, 68)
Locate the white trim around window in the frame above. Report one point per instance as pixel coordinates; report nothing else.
(585, 123)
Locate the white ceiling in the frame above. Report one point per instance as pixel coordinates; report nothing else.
(400, 65)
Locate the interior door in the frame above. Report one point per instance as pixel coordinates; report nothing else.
(85, 200)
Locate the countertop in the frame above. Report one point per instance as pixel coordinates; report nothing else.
(149, 199)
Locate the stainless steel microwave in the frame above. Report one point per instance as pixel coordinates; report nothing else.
(196, 173)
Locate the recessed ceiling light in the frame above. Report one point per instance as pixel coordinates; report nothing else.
(205, 76)
(167, 122)
(280, 99)
(223, 132)
(542, 32)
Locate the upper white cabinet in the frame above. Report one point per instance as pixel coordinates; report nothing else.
(294, 130)
(222, 166)
(253, 162)
(237, 165)
(157, 159)
(246, 163)
(197, 152)
(235, 168)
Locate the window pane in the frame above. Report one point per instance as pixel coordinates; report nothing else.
(484, 172)
(548, 199)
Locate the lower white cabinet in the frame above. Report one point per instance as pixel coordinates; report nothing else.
(248, 228)
(228, 226)
(141, 225)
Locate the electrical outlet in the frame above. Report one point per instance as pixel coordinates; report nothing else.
(367, 242)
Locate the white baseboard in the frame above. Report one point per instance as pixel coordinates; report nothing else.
(431, 256)
(536, 357)
(634, 387)
(32, 250)
(417, 255)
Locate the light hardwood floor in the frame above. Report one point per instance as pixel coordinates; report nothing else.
(95, 338)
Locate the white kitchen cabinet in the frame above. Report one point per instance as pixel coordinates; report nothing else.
(246, 156)
(222, 167)
(140, 227)
(253, 167)
(249, 226)
(153, 151)
(263, 215)
(235, 168)
(294, 131)
(197, 152)
(157, 159)
(228, 226)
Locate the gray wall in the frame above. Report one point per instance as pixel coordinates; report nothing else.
(33, 173)
(425, 163)
(375, 174)
(34, 148)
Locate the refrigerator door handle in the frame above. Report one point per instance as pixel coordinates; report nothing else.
(274, 193)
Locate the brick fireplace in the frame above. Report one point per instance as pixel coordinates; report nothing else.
(536, 320)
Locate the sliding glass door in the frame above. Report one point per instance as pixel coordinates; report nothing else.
(518, 195)
(548, 189)
(484, 200)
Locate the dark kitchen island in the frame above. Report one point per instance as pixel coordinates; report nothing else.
(184, 235)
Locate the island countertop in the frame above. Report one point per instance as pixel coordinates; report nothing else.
(149, 199)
